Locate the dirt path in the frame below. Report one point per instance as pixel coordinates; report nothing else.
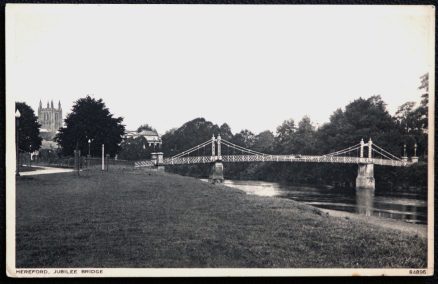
(46, 170)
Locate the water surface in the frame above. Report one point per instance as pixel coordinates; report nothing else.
(407, 206)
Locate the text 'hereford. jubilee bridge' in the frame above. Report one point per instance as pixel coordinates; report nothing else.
(365, 179)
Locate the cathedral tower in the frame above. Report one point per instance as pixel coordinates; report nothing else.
(50, 119)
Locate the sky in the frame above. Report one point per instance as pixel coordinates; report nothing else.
(249, 66)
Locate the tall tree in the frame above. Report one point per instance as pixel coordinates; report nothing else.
(413, 121)
(135, 149)
(225, 132)
(264, 142)
(423, 108)
(190, 134)
(28, 130)
(405, 116)
(284, 137)
(304, 138)
(244, 138)
(362, 119)
(91, 120)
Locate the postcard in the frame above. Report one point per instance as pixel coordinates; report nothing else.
(219, 140)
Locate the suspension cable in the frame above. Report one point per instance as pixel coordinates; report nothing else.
(378, 152)
(383, 150)
(186, 152)
(243, 149)
(343, 152)
(237, 147)
(351, 148)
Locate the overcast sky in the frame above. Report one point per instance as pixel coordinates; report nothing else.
(250, 66)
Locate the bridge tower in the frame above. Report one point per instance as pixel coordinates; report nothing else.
(365, 173)
(217, 171)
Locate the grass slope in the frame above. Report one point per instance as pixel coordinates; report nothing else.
(147, 219)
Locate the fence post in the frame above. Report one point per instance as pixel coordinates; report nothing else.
(107, 161)
(103, 157)
(77, 161)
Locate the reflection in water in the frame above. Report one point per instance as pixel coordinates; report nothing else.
(364, 201)
(407, 206)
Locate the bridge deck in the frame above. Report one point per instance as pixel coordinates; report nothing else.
(284, 158)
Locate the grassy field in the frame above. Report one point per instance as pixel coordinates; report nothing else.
(136, 218)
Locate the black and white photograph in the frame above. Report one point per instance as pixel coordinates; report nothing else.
(219, 140)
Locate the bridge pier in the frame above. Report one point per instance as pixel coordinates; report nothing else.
(364, 201)
(217, 172)
(365, 177)
(157, 159)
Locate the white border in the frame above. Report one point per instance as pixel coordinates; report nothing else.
(209, 272)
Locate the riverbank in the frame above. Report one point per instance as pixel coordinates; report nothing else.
(417, 230)
(138, 218)
(405, 206)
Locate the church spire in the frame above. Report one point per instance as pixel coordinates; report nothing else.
(59, 104)
(51, 104)
(40, 106)
(48, 105)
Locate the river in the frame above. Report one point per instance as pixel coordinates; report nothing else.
(407, 206)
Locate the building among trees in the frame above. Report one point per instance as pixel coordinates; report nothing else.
(50, 119)
(152, 138)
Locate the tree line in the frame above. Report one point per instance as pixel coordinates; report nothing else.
(361, 119)
(90, 124)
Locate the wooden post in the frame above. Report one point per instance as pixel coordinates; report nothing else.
(77, 167)
(107, 161)
(103, 157)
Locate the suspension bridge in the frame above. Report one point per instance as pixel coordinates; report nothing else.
(234, 153)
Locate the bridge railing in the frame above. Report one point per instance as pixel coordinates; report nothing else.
(145, 163)
(283, 158)
(248, 155)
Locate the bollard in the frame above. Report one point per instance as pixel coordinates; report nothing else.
(77, 155)
(103, 157)
(107, 156)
